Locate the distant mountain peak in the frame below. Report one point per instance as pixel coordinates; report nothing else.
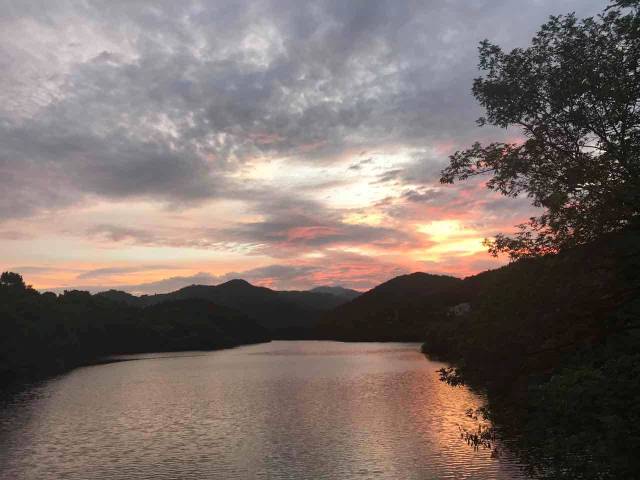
(269, 308)
(119, 296)
(392, 310)
(337, 290)
(325, 288)
(237, 282)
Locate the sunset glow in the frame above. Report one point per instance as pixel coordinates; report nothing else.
(194, 146)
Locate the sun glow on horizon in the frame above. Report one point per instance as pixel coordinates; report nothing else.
(442, 230)
(450, 237)
(240, 146)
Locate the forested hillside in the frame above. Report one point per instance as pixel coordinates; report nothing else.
(290, 313)
(556, 343)
(392, 311)
(47, 333)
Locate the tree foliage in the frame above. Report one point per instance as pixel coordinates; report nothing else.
(46, 333)
(12, 279)
(574, 94)
(554, 343)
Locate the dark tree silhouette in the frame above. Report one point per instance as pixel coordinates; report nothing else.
(48, 333)
(11, 279)
(575, 96)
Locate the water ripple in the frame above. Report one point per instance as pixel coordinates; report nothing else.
(301, 410)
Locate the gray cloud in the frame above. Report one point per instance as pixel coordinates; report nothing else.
(165, 101)
(108, 271)
(169, 284)
(304, 232)
(281, 276)
(13, 235)
(296, 224)
(423, 168)
(117, 233)
(160, 286)
(335, 268)
(358, 165)
(28, 269)
(422, 195)
(288, 226)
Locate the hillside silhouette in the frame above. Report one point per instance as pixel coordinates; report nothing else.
(289, 313)
(43, 333)
(393, 311)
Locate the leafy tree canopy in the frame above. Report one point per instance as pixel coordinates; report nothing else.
(11, 279)
(575, 95)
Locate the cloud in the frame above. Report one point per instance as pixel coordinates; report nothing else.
(360, 164)
(168, 284)
(31, 269)
(301, 232)
(277, 276)
(176, 98)
(309, 136)
(109, 271)
(13, 235)
(157, 286)
(283, 225)
(422, 195)
(117, 233)
(331, 268)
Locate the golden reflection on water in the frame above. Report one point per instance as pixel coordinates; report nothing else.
(280, 410)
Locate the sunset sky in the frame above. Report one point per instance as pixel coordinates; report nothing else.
(290, 143)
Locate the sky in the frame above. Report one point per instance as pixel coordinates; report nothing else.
(151, 145)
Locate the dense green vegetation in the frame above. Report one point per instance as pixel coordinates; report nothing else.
(46, 333)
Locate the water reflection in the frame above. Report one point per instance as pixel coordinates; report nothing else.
(280, 410)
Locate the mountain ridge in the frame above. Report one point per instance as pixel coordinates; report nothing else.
(390, 311)
(272, 309)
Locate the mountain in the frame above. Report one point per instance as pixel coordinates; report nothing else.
(394, 310)
(321, 298)
(337, 291)
(289, 312)
(120, 297)
(267, 307)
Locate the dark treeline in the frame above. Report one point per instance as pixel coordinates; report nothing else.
(43, 333)
(393, 311)
(555, 342)
(554, 337)
(286, 314)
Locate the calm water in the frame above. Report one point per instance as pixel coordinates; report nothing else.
(283, 410)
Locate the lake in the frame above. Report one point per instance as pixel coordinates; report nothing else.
(280, 410)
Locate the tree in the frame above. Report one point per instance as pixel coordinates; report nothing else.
(575, 95)
(11, 279)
